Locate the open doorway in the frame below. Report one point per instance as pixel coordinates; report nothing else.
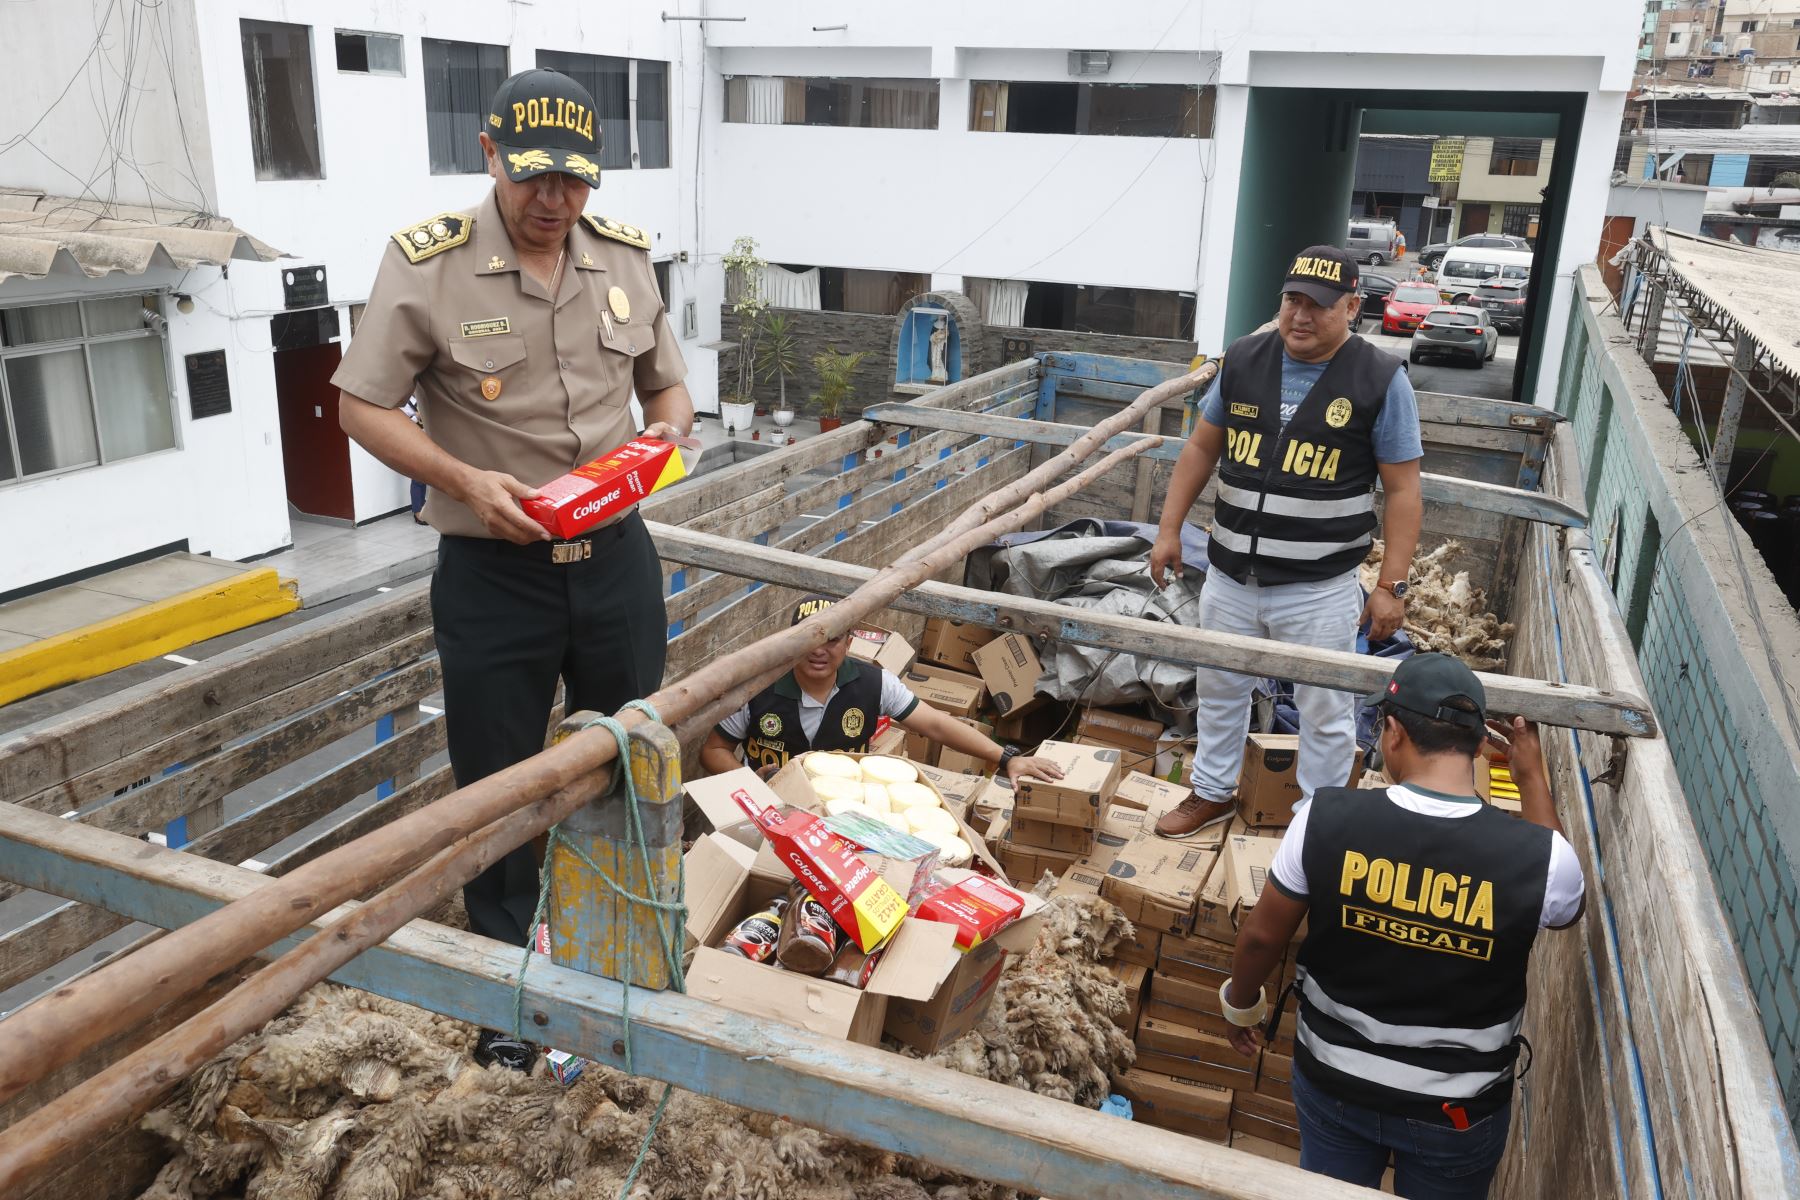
(1299, 186)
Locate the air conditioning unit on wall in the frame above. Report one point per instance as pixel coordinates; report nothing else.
(1090, 62)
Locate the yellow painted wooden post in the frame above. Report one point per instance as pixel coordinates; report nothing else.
(592, 927)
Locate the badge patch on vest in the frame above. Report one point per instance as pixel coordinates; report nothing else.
(770, 724)
(1247, 411)
(1337, 414)
(853, 722)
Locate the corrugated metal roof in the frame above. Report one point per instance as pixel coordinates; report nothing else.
(43, 236)
(1755, 289)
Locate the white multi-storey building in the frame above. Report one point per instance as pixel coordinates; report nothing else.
(1137, 169)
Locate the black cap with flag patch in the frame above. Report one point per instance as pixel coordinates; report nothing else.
(1424, 682)
(544, 121)
(1323, 274)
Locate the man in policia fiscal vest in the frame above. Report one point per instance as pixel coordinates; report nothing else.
(1422, 904)
(1300, 423)
(830, 701)
(524, 326)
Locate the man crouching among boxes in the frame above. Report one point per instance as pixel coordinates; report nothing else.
(1422, 904)
(831, 702)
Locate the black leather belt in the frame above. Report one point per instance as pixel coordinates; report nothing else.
(573, 550)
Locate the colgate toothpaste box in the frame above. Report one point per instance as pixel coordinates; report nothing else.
(827, 865)
(611, 484)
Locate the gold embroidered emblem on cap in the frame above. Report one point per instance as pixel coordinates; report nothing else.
(494, 120)
(619, 302)
(496, 263)
(530, 160)
(577, 164)
(487, 328)
(553, 112)
(490, 388)
(1337, 414)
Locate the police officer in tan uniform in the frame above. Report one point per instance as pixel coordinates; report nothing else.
(523, 327)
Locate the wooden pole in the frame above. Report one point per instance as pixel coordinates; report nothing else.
(132, 1085)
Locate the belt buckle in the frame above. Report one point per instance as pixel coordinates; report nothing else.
(571, 552)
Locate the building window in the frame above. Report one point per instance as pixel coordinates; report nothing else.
(361, 53)
(650, 112)
(1103, 109)
(1622, 157)
(284, 116)
(852, 103)
(460, 81)
(1763, 170)
(81, 383)
(1779, 76)
(622, 87)
(847, 289)
(1749, 26)
(1519, 220)
(1674, 36)
(661, 267)
(1126, 312)
(1515, 156)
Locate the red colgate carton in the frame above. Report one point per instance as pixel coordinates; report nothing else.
(829, 868)
(606, 487)
(977, 906)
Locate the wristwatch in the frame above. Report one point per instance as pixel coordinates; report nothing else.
(1399, 587)
(1007, 754)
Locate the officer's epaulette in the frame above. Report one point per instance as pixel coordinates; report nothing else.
(431, 237)
(618, 231)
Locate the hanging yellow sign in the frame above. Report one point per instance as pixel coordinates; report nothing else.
(1446, 160)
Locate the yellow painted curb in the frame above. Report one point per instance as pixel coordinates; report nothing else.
(145, 632)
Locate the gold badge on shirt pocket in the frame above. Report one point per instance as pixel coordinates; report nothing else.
(619, 302)
(490, 388)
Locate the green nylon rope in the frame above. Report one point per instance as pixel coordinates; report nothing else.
(668, 933)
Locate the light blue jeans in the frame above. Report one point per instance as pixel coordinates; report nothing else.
(1321, 614)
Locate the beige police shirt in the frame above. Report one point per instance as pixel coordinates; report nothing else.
(559, 373)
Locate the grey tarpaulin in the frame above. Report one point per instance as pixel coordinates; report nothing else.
(1103, 566)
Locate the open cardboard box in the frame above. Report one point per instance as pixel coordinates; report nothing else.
(883, 647)
(953, 643)
(724, 885)
(791, 786)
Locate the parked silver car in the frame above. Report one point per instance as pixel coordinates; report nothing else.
(1456, 331)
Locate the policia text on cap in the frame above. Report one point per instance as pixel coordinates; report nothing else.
(523, 328)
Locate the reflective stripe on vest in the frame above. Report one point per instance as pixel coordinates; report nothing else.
(1281, 547)
(1294, 506)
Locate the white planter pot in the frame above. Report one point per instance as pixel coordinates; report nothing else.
(737, 416)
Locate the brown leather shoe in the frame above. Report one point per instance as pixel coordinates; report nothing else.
(1194, 814)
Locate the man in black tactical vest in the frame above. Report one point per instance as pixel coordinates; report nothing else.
(830, 701)
(1422, 904)
(1300, 423)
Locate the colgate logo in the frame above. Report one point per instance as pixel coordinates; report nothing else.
(594, 506)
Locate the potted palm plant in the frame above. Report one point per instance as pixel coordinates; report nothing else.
(743, 275)
(835, 384)
(779, 350)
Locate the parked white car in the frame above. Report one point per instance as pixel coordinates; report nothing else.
(1456, 331)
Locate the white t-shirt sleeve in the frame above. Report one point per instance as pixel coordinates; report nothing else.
(1565, 886)
(897, 700)
(737, 725)
(1287, 868)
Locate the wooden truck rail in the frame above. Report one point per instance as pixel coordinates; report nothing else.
(1612, 1107)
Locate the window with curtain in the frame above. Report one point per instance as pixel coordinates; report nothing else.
(850, 289)
(1000, 301)
(652, 114)
(1122, 311)
(1515, 156)
(1096, 109)
(81, 383)
(608, 81)
(849, 103)
(284, 115)
(460, 81)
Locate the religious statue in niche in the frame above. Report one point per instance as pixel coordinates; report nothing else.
(940, 346)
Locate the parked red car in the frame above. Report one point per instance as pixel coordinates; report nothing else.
(1407, 306)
